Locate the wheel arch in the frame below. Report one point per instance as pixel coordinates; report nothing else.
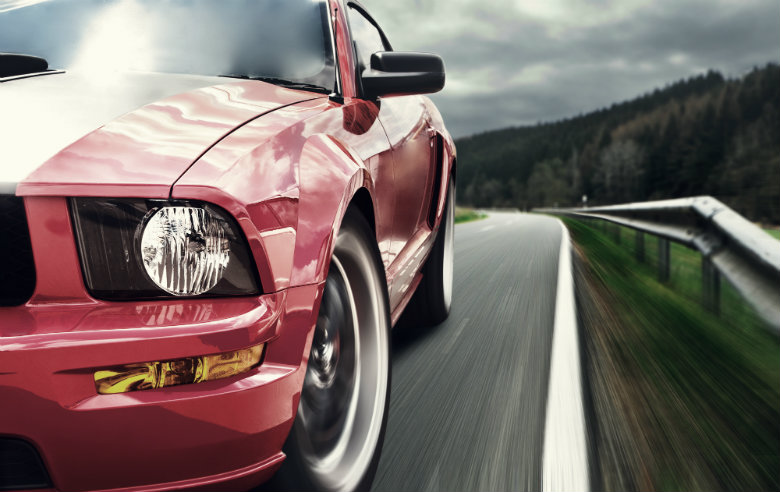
(363, 202)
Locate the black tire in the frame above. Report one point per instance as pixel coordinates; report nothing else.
(337, 438)
(431, 303)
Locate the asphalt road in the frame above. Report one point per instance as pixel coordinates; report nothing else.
(468, 397)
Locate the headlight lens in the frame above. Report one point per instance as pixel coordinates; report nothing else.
(140, 249)
(184, 250)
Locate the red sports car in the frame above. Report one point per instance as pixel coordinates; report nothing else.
(212, 212)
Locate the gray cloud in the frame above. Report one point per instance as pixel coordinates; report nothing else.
(514, 62)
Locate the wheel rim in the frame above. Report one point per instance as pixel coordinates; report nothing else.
(449, 248)
(344, 393)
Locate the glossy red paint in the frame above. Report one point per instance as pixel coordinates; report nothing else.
(143, 152)
(229, 429)
(286, 165)
(346, 56)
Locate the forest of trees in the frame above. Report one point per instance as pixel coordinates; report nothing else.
(706, 135)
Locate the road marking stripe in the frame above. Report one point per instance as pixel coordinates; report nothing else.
(565, 459)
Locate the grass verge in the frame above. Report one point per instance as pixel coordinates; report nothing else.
(698, 395)
(463, 214)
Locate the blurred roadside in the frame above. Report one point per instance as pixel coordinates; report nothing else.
(681, 399)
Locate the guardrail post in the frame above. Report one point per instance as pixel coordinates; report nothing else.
(710, 285)
(663, 259)
(639, 245)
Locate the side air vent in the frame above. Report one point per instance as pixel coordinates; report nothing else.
(437, 157)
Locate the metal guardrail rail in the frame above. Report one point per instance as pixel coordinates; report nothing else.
(730, 245)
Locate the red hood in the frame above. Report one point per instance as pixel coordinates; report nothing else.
(144, 151)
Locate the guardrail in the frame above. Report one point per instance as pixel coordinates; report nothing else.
(730, 245)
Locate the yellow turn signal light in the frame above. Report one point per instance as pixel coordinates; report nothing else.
(189, 370)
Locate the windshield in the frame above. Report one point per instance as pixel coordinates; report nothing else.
(278, 39)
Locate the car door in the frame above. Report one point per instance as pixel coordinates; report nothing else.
(407, 125)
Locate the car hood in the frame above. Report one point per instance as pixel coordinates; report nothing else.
(131, 134)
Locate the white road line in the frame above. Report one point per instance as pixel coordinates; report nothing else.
(487, 228)
(565, 459)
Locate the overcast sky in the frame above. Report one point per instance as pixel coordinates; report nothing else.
(517, 62)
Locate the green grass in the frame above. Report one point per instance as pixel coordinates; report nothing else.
(774, 232)
(685, 273)
(710, 384)
(467, 215)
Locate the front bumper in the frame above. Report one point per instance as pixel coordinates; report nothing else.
(224, 434)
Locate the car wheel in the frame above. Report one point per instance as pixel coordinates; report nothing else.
(432, 300)
(337, 436)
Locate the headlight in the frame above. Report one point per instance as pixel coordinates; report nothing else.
(135, 248)
(184, 250)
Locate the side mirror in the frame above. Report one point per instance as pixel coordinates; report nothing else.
(395, 73)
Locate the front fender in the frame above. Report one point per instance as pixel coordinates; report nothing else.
(330, 176)
(288, 194)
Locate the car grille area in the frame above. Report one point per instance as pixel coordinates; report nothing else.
(17, 268)
(21, 467)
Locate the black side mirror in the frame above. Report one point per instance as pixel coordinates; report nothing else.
(395, 73)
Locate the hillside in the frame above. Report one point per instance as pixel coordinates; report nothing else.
(703, 135)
